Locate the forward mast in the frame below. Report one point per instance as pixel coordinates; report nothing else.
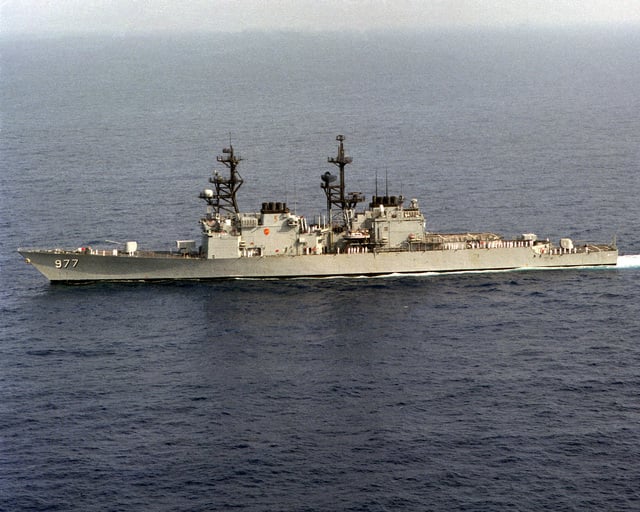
(223, 199)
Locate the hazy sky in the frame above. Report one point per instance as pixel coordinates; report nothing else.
(127, 16)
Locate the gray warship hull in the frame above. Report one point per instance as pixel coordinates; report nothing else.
(385, 238)
(71, 266)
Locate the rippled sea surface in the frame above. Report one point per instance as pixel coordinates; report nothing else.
(479, 391)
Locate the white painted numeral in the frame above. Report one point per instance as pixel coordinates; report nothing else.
(66, 263)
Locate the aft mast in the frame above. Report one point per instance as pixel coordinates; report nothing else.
(335, 193)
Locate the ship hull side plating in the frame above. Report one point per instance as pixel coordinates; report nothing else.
(67, 266)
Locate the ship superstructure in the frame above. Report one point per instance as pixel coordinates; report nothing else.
(384, 237)
(386, 225)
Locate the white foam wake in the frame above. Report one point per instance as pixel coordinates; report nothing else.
(629, 261)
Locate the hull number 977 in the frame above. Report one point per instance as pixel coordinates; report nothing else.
(67, 263)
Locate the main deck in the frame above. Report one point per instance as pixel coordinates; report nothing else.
(70, 266)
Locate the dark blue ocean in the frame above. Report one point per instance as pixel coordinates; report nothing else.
(477, 392)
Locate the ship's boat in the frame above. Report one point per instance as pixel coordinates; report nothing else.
(384, 237)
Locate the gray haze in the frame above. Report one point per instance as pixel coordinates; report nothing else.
(129, 16)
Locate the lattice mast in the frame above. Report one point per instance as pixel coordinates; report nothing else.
(224, 197)
(335, 193)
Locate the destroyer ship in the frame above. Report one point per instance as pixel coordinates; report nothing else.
(386, 236)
